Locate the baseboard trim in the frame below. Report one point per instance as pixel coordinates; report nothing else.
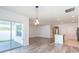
(40, 37)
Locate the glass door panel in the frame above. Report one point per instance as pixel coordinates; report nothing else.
(17, 34)
(4, 35)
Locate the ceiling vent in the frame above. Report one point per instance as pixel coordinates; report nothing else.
(69, 10)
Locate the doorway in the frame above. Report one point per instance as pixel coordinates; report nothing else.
(55, 30)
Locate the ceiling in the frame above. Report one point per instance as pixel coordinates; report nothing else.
(47, 14)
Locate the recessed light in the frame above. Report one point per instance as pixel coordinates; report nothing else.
(73, 16)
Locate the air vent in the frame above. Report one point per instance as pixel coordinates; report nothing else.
(69, 10)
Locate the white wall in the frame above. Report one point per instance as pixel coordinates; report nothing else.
(32, 31)
(69, 30)
(40, 31)
(12, 16)
(44, 31)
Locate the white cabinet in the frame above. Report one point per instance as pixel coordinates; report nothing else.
(58, 39)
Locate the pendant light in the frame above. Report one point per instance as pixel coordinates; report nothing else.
(36, 21)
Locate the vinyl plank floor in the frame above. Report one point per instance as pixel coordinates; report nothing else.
(43, 45)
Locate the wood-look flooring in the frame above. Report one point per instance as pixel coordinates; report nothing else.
(43, 45)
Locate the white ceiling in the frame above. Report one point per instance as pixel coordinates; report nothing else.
(47, 14)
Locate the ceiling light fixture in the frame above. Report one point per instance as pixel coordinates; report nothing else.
(36, 21)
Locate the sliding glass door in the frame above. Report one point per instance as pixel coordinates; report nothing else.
(4, 35)
(17, 34)
(11, 35)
